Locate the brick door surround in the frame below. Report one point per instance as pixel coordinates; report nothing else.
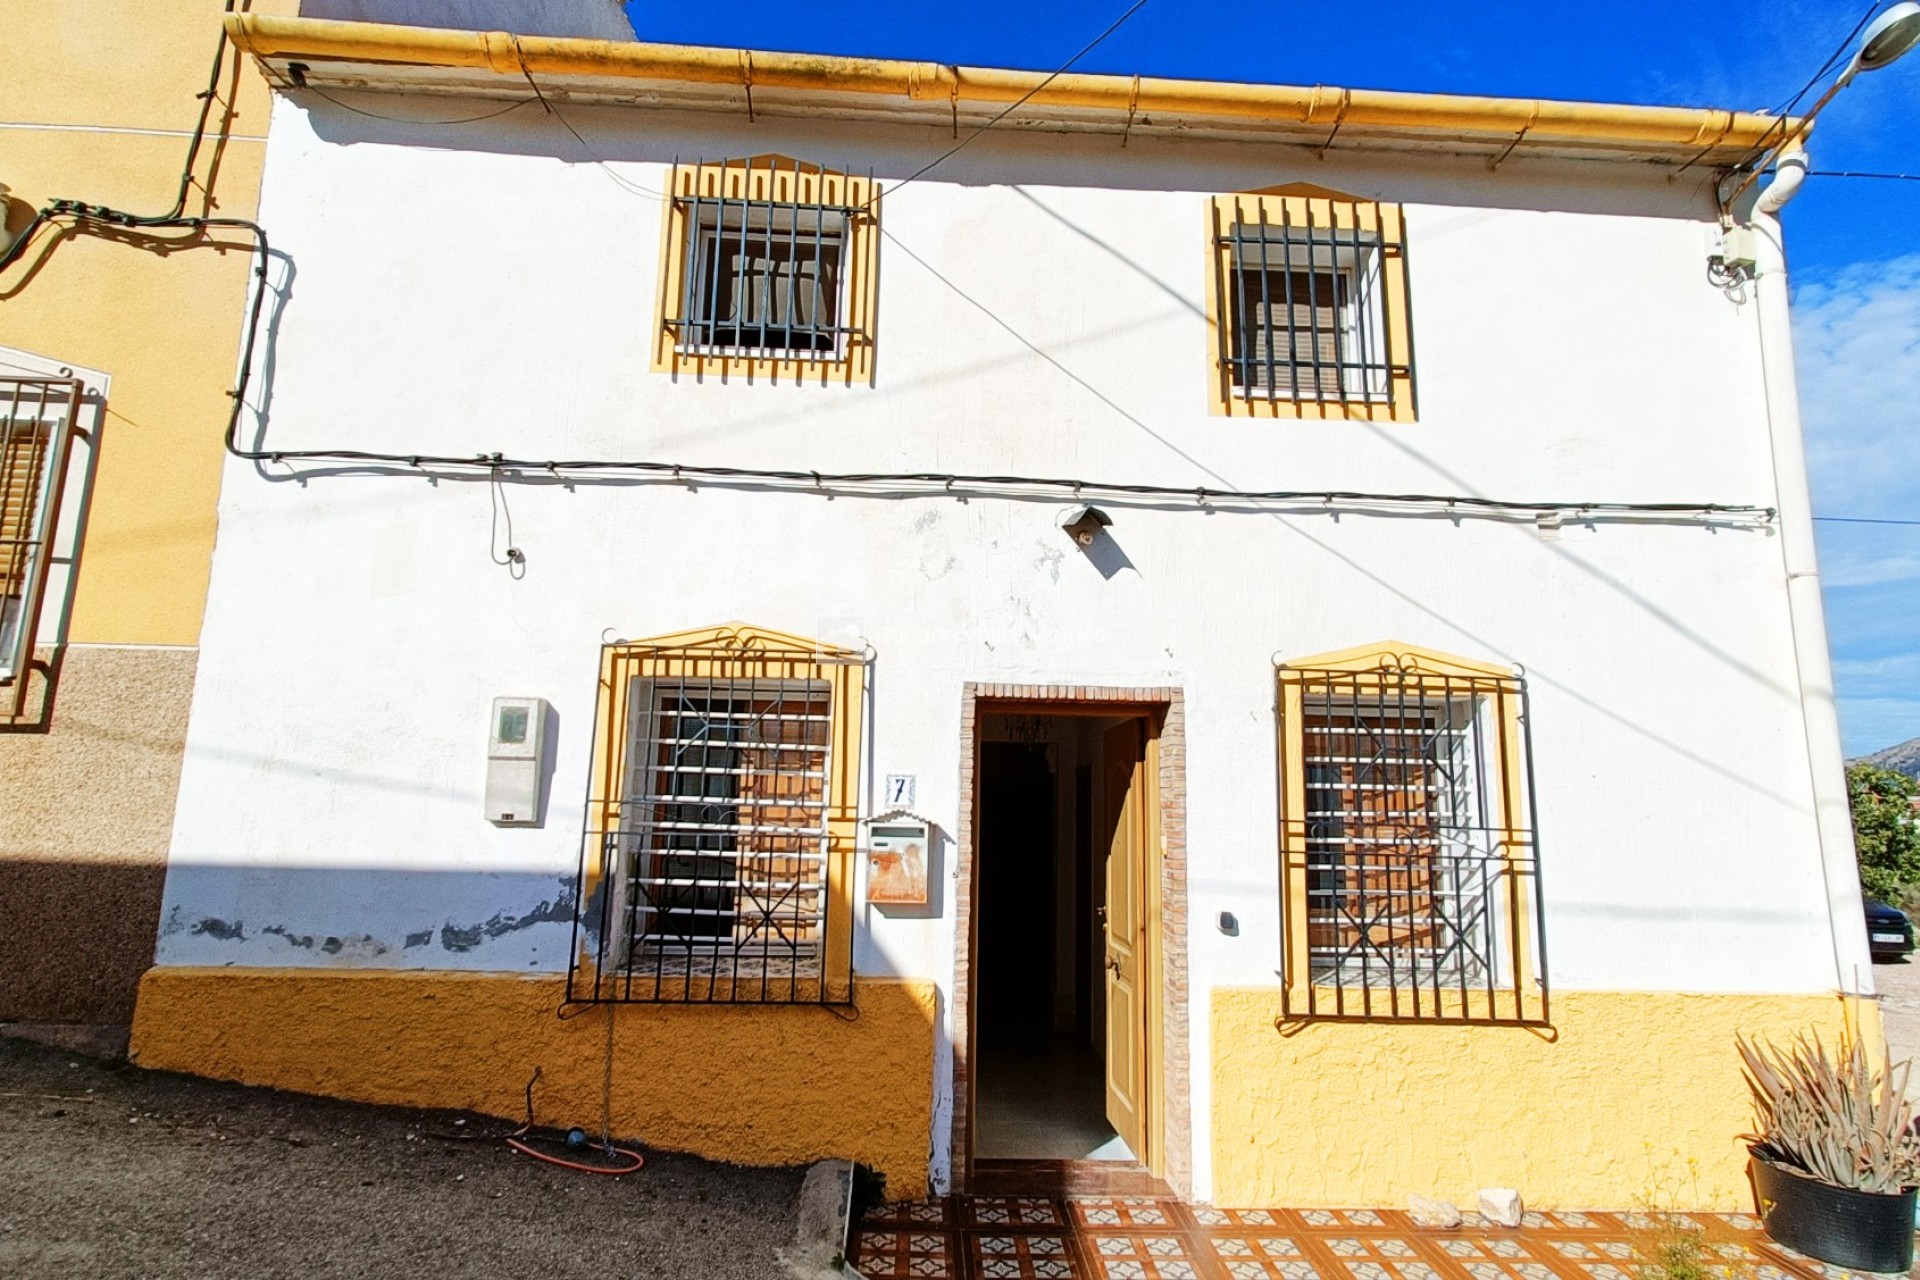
(1164, 708)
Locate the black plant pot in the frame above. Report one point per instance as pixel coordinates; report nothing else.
(1866, 1230)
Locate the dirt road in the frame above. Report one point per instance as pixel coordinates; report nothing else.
(110, 1172)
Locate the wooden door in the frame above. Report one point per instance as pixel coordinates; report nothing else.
(1122, 762)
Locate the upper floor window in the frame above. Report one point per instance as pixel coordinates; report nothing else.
(1407, 839)
(769, 272)
(1308, 294)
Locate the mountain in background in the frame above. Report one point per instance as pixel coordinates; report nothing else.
(1904, 758)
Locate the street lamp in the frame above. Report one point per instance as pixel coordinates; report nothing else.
(1886, 39)
(1892, 34)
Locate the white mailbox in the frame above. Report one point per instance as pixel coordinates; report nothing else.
(899, 850)
(516, 761)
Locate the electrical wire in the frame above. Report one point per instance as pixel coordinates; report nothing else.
(619, 180)
(80, 213)
(1767, 140)
(1022, 100)
(1864, 520)
(1848, 173)
(961, 483)
(375, 115)
(928, 482)
(1839, 51)
(175, 217)
(513, 560)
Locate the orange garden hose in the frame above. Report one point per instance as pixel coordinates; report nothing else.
(637, 1159)
(574, 1138)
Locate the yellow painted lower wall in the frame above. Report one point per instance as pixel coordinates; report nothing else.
(1637, 1095)
(754, 1084)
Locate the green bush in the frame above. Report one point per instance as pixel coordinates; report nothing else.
(1886, 831)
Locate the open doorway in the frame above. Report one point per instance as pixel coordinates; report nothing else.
(1061, 960)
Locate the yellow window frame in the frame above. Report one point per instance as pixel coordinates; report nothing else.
(1343, 220)
(1395, 670)
(772, 182)
(732, 652)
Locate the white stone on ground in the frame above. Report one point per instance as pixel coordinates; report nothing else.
(1500, 1206)
(1432, 1213)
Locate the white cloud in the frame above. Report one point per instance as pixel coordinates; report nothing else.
(1855, 569)
(1898, 670)
(1857, 342)
(1873, 724)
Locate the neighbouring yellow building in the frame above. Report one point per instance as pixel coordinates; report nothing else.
(117, 353)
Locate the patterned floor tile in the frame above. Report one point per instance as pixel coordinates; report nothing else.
(1208, 1216)
(1142, 1255)
(1262, 1257)
(993, 1212)
(1378, 1257)
(909, 1213)
(1128, 1211)
(1606, 1271)
(1342, 1218)
(1509, 1270)
(1144, 1238)
(885, 1254)
(1505, 1247)
(1024, 1257)
(1593, 1247)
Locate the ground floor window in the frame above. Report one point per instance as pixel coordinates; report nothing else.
(1407, 839)
(716, 864)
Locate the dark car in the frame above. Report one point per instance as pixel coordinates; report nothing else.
(1889, 932)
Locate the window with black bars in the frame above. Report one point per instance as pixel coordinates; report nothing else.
(1410, 856)
(763, 279)
(769, 269)
(716, 860)
(1311, 306)
(36, 417)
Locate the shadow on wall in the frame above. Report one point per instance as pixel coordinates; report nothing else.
(75, 938)
(1006, 158)
(515, 921)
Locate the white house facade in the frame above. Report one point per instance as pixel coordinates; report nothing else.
(1316, 578)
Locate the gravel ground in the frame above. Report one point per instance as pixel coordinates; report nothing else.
(1899, 986)
(110, 1171)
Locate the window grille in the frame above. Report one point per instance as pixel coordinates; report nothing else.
(36, 421)
(716, 860)
(769, 271)
(1310, 296)
(1409, 852)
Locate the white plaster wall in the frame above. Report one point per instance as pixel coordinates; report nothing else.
(469, 289)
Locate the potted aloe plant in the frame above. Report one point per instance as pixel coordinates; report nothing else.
(1835, 1155)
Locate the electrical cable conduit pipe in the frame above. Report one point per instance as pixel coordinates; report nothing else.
(1833, 819)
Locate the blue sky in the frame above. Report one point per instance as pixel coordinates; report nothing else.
(1855, 245)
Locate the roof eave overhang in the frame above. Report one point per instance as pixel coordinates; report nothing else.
(380, 57)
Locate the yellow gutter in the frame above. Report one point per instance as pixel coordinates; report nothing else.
(1683, 130)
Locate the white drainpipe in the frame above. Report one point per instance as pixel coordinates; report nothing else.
(1853, 966)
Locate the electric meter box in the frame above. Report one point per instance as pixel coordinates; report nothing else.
(516, 761)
